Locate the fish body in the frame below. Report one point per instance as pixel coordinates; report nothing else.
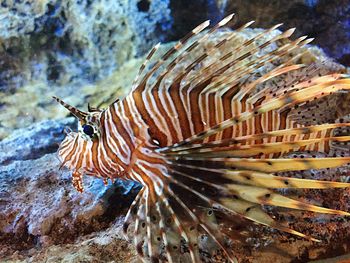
(206, 138)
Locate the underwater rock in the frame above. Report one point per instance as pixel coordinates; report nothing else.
(73, 41)
(11, 74)
(103, 246)
(34, 141)
(40, 208)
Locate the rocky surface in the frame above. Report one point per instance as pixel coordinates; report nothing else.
(34, 141)
(72, 41)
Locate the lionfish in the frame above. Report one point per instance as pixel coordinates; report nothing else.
(207, 138)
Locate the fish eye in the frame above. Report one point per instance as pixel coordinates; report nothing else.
(88, 130)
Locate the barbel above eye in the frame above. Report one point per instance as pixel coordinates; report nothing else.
(88, 130)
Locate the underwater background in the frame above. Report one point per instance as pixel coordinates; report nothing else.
(89, 51)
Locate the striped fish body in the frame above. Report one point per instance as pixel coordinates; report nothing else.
(206, 136)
